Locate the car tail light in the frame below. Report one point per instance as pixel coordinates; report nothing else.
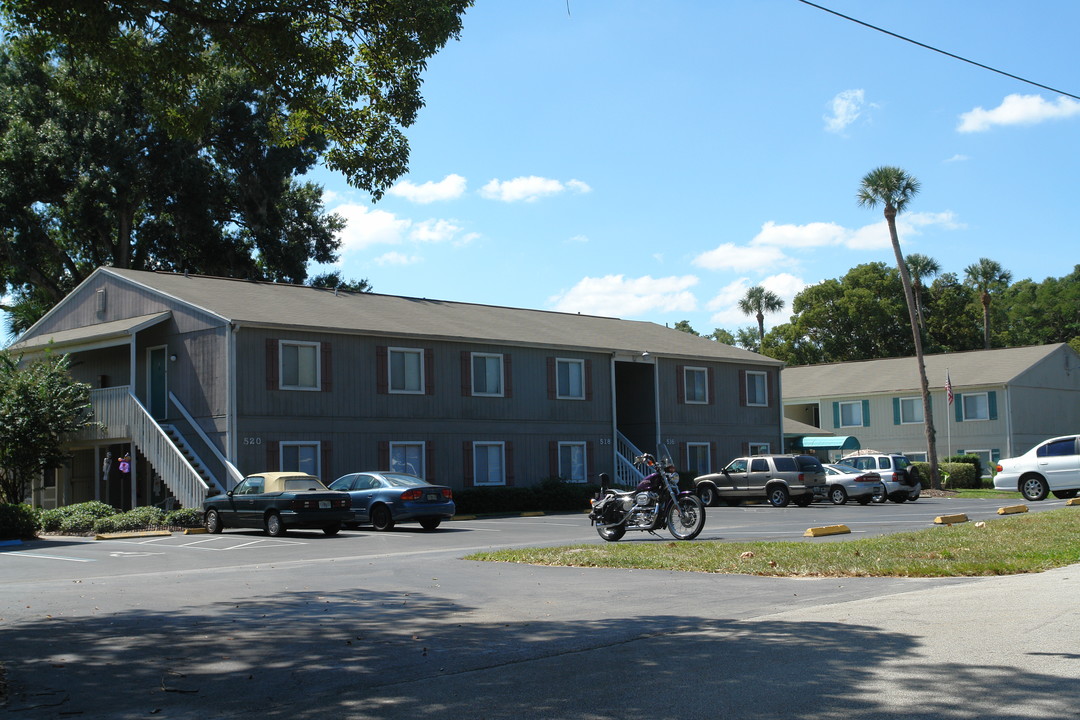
(448, 494)
(301, 504)
(345, 502)
(866, 478)
(414, 494)
(998, 468)
(802, 478)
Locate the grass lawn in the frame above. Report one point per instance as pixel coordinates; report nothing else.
(1003, 546)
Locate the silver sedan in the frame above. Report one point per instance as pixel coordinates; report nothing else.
(847, 483)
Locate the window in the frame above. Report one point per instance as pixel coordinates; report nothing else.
(407, 457)
(975, 406)
(300, 457)
(911, 410)
(851, 414)
(488, 463)
(916, 456)
(986, 459)
(757, 389)
(1057, 448)
(406, 367)
(299, 365)
(698, 458)
(572, 462)
(760, 465)
(487, 374)
(696, 385)
(759, 448)
(570, 379)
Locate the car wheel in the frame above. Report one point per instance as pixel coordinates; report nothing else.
(332, 529)
(838, 495)
(274, 526)
(881, 495)
(915, 494)
(430, 524)
(1033, 488)
(708, 496)
(779, 496)
(898, 497)
(1065, 494)
(381, 519)
(212, 521)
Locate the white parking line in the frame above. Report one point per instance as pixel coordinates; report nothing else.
(46, 557)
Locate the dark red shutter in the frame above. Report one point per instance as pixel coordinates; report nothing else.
(588, 379)
(680, 384)
(382, 370)
(590, 462)
(770, 380)
(271, 364)
(327, 448)
(326, 358)
(712, 386)
(273, 457)
(742, 388)
(509, 459)
(429, 371)
(553, 458)
(429, 461)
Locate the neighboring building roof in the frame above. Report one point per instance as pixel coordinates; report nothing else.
(868, 377)
(106, 334)
(267, 304)
(793, 428)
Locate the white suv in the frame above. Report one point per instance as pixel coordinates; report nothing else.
(1051, 466)
(900, 478)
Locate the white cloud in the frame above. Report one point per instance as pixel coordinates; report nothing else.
(396, 258)
(1018, 110)
(620, 296)
(578, 239)
(434, 231)
(846, 108)
(818, 234)
(958, 158)
(728, 256)
(365, 227)
(450, 187)
(529, 189)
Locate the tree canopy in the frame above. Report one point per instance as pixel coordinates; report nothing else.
(345, 70)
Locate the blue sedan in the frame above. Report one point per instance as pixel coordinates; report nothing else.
(386, 498)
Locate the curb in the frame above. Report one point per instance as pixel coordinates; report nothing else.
(122, 535)
(195, 531)
(827, 530)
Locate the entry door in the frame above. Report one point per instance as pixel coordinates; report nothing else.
(157, 382)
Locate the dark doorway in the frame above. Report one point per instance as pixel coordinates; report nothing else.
(635, 403)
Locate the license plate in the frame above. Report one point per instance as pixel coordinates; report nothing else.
(324, 504)
(431, 497)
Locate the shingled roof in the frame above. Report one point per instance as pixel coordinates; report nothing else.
(868, 377)
(267, 304)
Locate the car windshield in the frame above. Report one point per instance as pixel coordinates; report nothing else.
(402, 480)
(838, 468)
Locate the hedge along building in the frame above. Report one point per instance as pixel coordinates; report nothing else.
(203, 380)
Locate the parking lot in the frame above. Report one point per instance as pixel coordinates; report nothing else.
(397, 625)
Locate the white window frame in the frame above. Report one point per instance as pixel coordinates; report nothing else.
(390, 353)
(486, 445)
(317, 445)
(421, 471)
(759, 448)
(583, 476)
(916, 403)
(704, 385)
(851, 403)
(282, 345)
(985, 406)
(691, 447)
(764, 388)
(570, 362)
(916, 455)
(501, 374)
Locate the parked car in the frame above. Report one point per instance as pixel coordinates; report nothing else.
(277, 501)
(900, 478)
(1052, 466)
(844, 483)
(776, 478)
(386, 498)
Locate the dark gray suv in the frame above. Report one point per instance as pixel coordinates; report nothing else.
(780, 479)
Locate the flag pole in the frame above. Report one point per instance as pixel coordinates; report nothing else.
(948, 409)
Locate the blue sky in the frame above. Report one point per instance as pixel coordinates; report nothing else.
(652, 160)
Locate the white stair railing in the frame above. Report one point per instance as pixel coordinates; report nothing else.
(626, 473)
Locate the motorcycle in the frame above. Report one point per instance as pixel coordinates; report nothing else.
(656, 503)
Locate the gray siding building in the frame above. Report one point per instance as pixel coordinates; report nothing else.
(199, 381)
(1004, 401)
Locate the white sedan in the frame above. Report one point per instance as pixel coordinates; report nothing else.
(1052, 466)
(848, 483)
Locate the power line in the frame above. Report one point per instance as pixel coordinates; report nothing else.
(943, 52)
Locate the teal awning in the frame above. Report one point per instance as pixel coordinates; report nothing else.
(831, 442)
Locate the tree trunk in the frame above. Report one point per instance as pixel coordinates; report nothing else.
(986, 319)
(916, 333)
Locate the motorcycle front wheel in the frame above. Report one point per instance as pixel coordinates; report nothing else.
(611, 534)
(686, 519)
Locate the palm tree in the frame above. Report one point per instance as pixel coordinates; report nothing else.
(987, 277)
(919, 267)
(893, 188)
(759, 301)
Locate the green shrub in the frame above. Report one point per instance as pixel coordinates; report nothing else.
(185, 518)
(141, 518)
(18, 522)
(970, 459)
(961, 475)
(74, 519)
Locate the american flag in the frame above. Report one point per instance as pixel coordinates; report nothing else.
(948, 388)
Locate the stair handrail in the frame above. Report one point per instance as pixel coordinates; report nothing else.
(626, 473)
(234, 474)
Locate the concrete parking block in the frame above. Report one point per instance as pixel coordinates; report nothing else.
(950, 519)
(1012, 509)
(827, 530)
